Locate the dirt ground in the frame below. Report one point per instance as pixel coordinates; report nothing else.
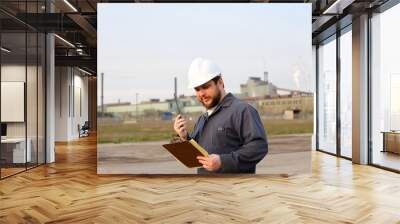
(288, 154)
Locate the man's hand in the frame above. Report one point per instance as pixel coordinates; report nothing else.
(180, 127)
(210, 163)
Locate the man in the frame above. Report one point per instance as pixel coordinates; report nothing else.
(231, 130)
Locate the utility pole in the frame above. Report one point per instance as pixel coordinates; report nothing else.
(137, 110)
(102, 94)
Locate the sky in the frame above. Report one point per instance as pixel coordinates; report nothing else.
(142, 47)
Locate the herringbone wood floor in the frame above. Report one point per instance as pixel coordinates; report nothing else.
(70, 191)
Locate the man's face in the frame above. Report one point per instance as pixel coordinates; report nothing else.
(209, 94)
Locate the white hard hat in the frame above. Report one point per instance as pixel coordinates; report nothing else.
(201, 71)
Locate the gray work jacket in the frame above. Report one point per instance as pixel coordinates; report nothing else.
(235, 132)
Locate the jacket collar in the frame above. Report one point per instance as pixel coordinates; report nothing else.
(226, 102)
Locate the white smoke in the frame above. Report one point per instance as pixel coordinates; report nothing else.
(297, 74)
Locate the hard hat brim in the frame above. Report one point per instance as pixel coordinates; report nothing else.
(194, 85)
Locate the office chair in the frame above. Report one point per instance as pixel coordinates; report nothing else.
(84, 130)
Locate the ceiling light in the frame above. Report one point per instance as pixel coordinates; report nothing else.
(70, 5)
(64, 40)
(338, 6)
(79, 51)
(84, 71)
(5, 50)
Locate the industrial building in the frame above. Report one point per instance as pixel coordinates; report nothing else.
(263, 95)
(257, 87)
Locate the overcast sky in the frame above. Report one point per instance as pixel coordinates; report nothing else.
(142, 47)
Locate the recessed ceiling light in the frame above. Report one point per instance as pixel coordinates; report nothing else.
(5, 50)
(338, 6)
(84, 71)
(64, 40)
(71, 6)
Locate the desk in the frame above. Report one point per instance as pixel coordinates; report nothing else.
(16, 147)
(391, 141)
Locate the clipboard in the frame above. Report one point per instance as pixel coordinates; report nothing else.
(186, 152)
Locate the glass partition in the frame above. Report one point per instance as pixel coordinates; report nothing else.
(22, 88)
(346, 94)
(327, 96)
(14, 154)
(385, 84)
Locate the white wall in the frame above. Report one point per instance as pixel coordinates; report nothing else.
(80, 111)
(71, 93)
(62, 81)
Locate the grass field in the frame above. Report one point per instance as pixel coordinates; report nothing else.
(163, 130)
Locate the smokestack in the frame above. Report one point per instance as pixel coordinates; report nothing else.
(266, 77)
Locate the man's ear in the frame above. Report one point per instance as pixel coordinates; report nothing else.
(222, 82)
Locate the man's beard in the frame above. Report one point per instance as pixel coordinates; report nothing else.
(214, 101)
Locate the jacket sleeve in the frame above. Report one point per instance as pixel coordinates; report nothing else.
(250, 129)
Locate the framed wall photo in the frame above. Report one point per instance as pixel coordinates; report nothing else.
(150, 71)
(12, 101)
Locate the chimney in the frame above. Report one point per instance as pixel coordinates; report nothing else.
(266, 77)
